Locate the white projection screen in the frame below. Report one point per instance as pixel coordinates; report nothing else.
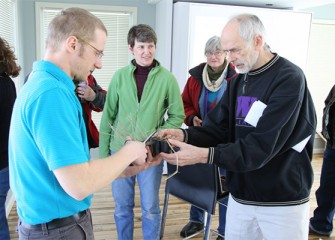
(287, 33)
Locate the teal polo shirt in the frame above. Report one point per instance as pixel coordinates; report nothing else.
(47, 132)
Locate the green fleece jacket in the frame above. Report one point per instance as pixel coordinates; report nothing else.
(124, 115)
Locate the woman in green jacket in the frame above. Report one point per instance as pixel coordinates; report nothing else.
(142, 98)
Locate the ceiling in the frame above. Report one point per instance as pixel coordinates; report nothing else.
(282, 4)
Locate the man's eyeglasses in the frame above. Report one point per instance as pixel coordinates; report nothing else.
(234, 51)
(216, 54)
(98, 53)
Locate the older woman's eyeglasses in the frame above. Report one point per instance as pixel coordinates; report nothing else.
(215, 54)
(98, 53)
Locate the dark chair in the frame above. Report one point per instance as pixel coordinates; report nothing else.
(199, 185)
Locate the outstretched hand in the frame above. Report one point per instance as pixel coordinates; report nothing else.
(137, 149)
(140, 165)
(187, 154)
(170, 134)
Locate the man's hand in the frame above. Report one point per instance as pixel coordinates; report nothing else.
(139, 150)
(187, 154)
(171, 134)
(138, 166)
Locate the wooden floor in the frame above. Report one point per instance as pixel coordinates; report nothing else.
(178, 213)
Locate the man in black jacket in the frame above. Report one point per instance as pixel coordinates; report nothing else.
(322, 221)
(262, 132)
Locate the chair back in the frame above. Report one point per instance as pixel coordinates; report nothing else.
(197, 184)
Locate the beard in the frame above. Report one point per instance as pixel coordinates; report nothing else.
(80, 77)
(79, 74)
(247, 64)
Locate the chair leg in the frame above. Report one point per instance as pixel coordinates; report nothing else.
(208, 227)
(166, 200)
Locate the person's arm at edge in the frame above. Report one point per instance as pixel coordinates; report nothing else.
(81, 180)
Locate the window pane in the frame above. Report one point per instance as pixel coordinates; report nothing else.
(8, 21)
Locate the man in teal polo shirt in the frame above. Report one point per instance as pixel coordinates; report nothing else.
(51, 174)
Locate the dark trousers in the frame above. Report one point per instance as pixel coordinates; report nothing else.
(81, 229)
(325, 195)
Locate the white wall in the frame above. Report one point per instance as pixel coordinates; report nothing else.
(163, 31)
(194, 23)
(320, 63)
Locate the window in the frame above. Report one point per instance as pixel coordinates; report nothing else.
(8, 19)
(117, 20)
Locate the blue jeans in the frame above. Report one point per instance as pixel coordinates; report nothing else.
(197, 214)
(4, 187)
(123, 191)
(322, 220)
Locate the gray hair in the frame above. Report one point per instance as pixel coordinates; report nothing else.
(213, 44)
(250, 26)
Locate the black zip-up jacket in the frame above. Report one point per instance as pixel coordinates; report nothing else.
(7, 99)
(262, 168)
(328, 118)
